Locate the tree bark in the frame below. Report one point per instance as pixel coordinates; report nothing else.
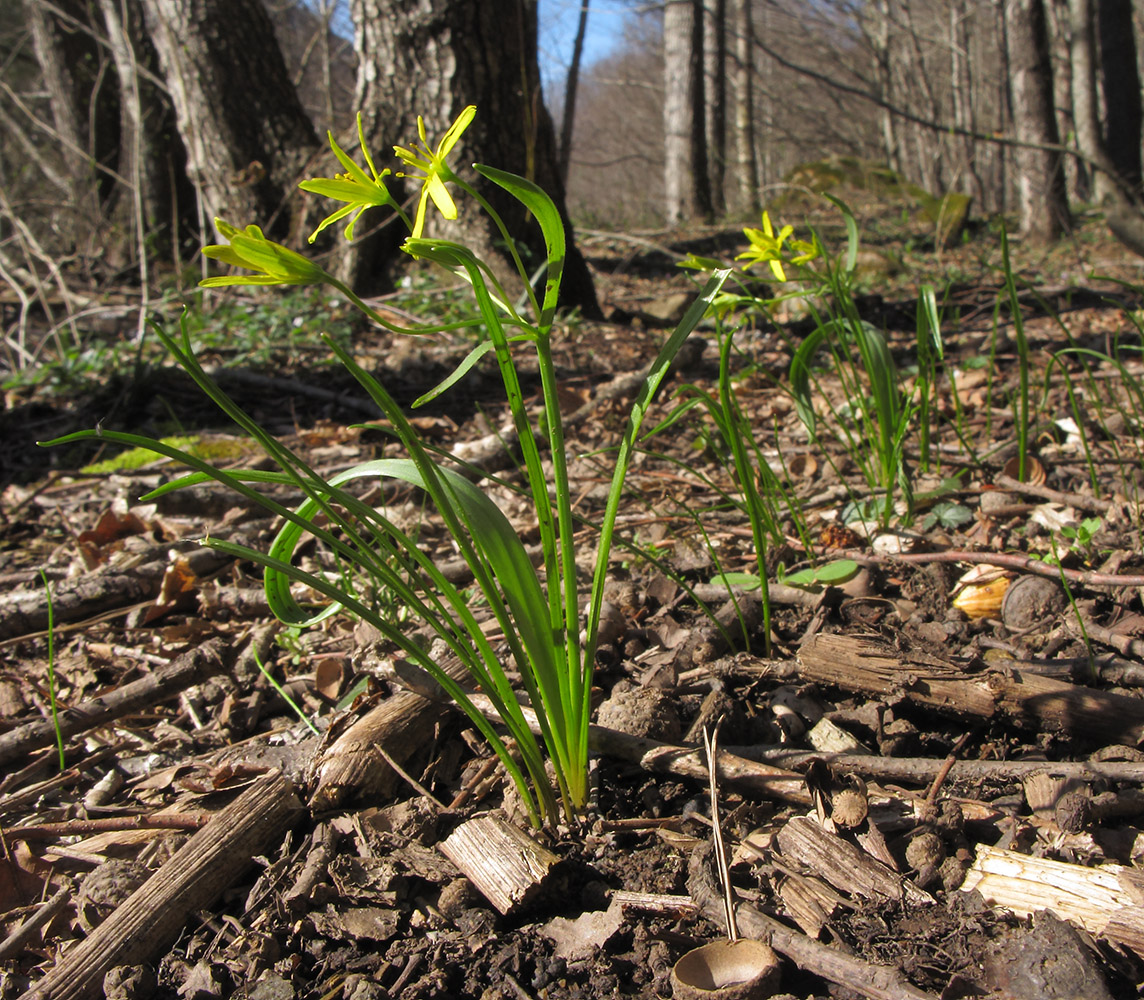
(748, 167)
(1120, 83)
(1082, 57)
(85, 110)
(433, 58)
(246, 134)
(687, 192)
(1042, 201)
(568, 120)
(715, 97)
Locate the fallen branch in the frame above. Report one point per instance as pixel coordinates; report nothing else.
(147, 922)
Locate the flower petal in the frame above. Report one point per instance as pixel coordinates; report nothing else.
(464, 120)
(441, 197)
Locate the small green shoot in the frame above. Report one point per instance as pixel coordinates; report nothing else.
(948, 514)
(284, 694)
(52, 670)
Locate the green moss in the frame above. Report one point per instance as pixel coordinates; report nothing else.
(213, 450)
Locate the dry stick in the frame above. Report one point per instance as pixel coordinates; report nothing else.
(12, 944)
(146, 923)
(192, 667)
(876, 982)
(1010, 561)
(1123, 644)
(922, 770)
(1094, 505)
(112, 824)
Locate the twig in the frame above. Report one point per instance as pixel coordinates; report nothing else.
(12, 944)
(1094, 505)
(710, 744)
(1009, 560)
(192, 667)
(77, 827)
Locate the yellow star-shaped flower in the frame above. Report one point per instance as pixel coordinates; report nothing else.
(355, 187)
(433, 170)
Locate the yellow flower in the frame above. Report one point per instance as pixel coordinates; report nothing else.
(355, 187)
(766, 246)
(274, 263)
(434, 171)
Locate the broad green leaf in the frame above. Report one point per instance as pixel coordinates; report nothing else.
(537, 201)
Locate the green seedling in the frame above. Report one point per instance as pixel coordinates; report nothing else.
(948, 514)
(52, 671)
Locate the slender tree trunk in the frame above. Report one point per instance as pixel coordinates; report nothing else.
(748, 168)
(1120, 84)
(433, 58)
(571, 84)
(678, 119)
(246, 134)
(85, 110)
(1043, 204)
(715, 93)
(1078, 181)
(961, 89)
(879, 36)
(1082, 52)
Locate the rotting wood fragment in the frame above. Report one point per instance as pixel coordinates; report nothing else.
(147, 922)
(1107, 900)
(1028, 700)
(504, 863)
(805, 843)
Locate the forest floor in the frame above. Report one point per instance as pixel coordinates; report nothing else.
(929, 788)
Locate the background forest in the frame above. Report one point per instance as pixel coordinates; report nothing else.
(123, 134)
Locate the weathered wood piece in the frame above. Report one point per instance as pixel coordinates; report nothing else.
(1028, 700)
(350, 766)
(1107, 901)
(876, 982)
(193, 667)
(923, 770)
(147, 922)
(504, 863)
(804, 842)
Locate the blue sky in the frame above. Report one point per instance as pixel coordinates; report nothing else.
(558, 20)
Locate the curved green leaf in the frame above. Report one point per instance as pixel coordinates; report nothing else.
(537, 201)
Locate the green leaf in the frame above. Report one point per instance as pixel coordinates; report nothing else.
(537, 201)
(827, 575)
(800, 374)
(851, 232)
(746, 581)
(466, 365)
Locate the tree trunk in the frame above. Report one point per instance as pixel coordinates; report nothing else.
(1043, 205)
(433, 59)
(1120, 83)
(878, 36)
(961, 89)
(745, 110)
(151, 155)
(715, 96)
(573, 81)
(246, 134)
(84, 106)
(1086, 118)
(682, 81)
